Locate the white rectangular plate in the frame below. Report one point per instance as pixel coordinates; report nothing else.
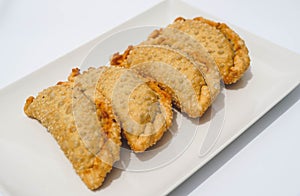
(32, 164)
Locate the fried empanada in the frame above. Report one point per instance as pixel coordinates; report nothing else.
(82, 125)
(174, 71)
(223, 44)
(140, 106)
(190, 47)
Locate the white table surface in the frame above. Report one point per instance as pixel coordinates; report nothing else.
(265, 160)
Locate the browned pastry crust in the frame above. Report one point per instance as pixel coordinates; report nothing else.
(175, 72)
(140, 106)
(167, 67)
(118, 59)
(53, 107)
(241, 58)
(139, 143)
(191, 48)
(236, 64)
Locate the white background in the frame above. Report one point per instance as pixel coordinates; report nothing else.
(265, 160)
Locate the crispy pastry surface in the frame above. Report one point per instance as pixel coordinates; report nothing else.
(191, 48)
(180, 64)
(140, 106)
(226, 47)
(173, 70)
(54, 108)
